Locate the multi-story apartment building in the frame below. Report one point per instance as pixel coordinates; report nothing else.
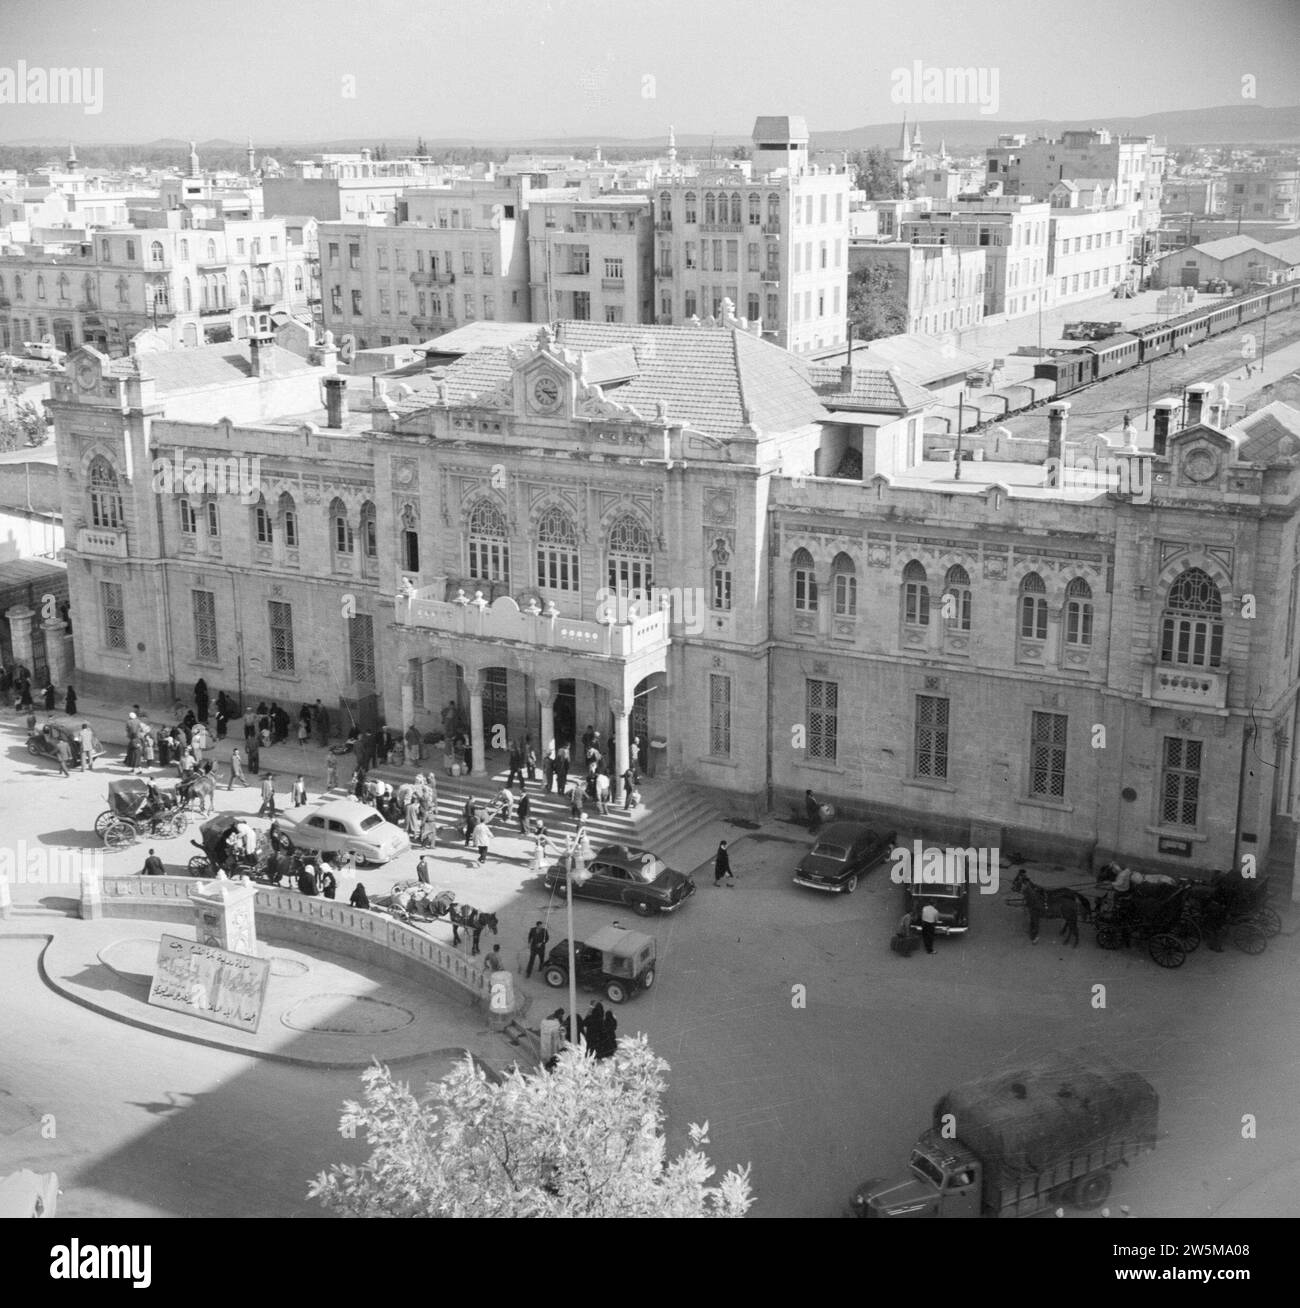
(772, 239)
(591, 260)
(1091, 248)
(825, 610)
(939, 288)
(1134, 163)
(198, 279)
(1268, 192)
(1014, 233)
(458, 255)
(1201, 196)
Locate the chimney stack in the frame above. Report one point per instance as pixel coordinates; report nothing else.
(336, 403)
(1163, 422)
(259, 353)
(1057, 416)
(1198, 395)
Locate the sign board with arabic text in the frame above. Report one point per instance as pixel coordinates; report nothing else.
(214, 984)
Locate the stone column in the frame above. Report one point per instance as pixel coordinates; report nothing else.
(621, 755)
(408, 703)
(546, 698)
(20, 635)
(56, 652)
(224, 915)
(478, 743)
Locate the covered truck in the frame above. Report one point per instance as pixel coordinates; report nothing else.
(1018, 1142)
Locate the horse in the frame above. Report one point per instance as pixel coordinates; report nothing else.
(473, 920)
(200, 786)
(1064, 903)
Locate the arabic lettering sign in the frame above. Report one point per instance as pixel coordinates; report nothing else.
(211, 983)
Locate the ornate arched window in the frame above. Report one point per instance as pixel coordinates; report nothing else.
(105, 495)
(956, 599)
(187, 295)
(189, 519)
(369, 531)
(88, 289)
(1191, 633)
(288, 515)
(1033, 607)
(63, 286)
(690, 206)
(259, 283)
(243, 287)
(755, 209)
(344, 540)
(916, 596)
(629, 556)
(212, 251)
(1078, 613)
(410, 539)
(804, 582)
(206, 298)
(156, 251)
(40, 287)
(735, 208)
(773, 209)
(720, 589)
(263, 533)
(277, 283)
(665, 207)
(557, 551)
(489, 543)
(184, 250)
(214, 519)
(255, 250)
(710, 207)
(297, 278)
(844, 580)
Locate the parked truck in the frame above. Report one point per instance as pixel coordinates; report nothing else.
(1019, 1142)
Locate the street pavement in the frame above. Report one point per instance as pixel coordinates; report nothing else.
(814, 1053)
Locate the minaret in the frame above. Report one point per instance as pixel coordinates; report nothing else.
(72, 164)
(917, 145)
(252, 158)
(672, 147)
(194, 160)
(904, 147)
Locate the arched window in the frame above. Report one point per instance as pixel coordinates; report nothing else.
(710, 207)
(1078, 613)
(105, 495)
(212, 251)
(629, 557)
(690, 206)
(88, 289)
(243, 287)
(557, 551)
(1033, 607)
(156, 251)
(259, 283)
(207, 298)
(40, 287)
(297, 278)
(185, 250)
(277, 283)
(773, 209)
(63, 286)
(735, 208)
(410, 539)
(916, 596)
(341, 529)
(844, 578)
(18, 286)
(214, 519)
(1191, 632)
(805, 582)
(755, 209)
(223, 290)
(369, 531)
(256, 247)
(489, 543)
(665, 207)
(956, 599)
(262, 528)
(187, 295)
(288, 515)
(189, 519)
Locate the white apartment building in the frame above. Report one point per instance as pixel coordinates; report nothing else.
(772, 239)
(1014, 233)
(939, 287)
(1091, 250)
(590, 260)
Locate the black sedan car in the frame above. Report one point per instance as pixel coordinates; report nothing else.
(623, 875)
(843, 852)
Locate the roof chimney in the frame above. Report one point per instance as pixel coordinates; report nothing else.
(336, 401)
(1197, 399)
(846, 372)
(1163, 422)
(1057, 416)
(259, 353)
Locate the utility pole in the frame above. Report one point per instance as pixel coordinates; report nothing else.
(961, 396)
(1146, 422)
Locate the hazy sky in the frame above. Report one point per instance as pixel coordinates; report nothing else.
(615, 68)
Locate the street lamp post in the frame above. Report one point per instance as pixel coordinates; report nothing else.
(961, 405)
(570, 876)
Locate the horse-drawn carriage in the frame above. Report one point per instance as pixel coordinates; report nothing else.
(1235, 905)
(222, 854)
(409, 901)
(1158, 911)
(136, 809)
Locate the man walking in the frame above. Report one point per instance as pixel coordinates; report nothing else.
(331, 772)
(483, 839)
(537, 938)
(929, 916)
(548, 767)
(602, 792)
(236, 769)
(525, 806)
(722, 866)
(562, 769)
(87, 748)
(516, 765)
(62, 755)
(298, 794)
(628, 789)
(422, 871)
(268, 796)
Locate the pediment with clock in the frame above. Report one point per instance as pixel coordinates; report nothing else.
(1200, 456)
(85, 368)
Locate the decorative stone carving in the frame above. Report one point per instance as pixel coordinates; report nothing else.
(995, 567)
(879, 556)
(719, 505)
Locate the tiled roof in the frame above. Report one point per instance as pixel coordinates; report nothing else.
(1289, 250)
(1226, 247)
(213, 365)
(475, 335)
(875, 389)
(1268, 435)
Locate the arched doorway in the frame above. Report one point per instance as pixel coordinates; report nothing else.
(648, 721)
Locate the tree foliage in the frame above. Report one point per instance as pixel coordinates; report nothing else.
(585, 1140)
(21, 421)
(876, 306)
(874, 174)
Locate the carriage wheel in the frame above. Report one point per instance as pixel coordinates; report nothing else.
(1249, 938)
(119, 834)
(1093, 1190)
(199, 866)
(103, 820)
(1189, 933)
(1167, 950)
(179, 821)
(555, 977)
(32, 747)
(164, 827)
(1267, 920)
(1109, 936)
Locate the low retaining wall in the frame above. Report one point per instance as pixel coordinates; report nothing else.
(286, 915)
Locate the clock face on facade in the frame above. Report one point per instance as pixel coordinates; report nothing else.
(87, 375)
(546, 393)
(1201, 464)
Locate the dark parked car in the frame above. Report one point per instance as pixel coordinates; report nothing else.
(617, 961)
(622, 875)
(844, 851)
(42, 742)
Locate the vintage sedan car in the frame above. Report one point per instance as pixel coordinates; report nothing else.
(345, 826)
(615, 960)
(842, 853)
(42, 742)
(620, 874)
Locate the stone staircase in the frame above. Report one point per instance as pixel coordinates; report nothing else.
(670, 812)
